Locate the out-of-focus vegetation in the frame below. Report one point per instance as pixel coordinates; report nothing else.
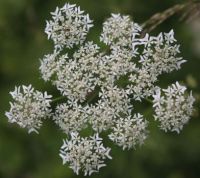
(23, 42)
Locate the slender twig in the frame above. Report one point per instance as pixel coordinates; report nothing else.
(160, 17)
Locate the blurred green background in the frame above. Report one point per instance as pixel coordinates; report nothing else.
(23, 43)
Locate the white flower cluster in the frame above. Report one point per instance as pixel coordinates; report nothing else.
(159, 55)
(68, 27)
(49, 65)
(87, 154)
(172, 108)
(75, 77)
(29, 107)
(70, 119)
(113, 102)
(101, 87)
(119, 31)
(134, 131)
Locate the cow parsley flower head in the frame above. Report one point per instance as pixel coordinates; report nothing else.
(118, 63)
(29, 107)
(173, 108)
(50, 64)
(112, 102)
(68, 27)
(70, 119)
(129, 131)
(78, 76)
(100, 87)
(160, 54)
(119, 30)
(84, 154)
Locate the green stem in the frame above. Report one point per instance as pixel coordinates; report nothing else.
(58, 99)
(92, 97)
(150, 101)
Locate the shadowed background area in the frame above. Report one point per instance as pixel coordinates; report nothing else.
(23, 42)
